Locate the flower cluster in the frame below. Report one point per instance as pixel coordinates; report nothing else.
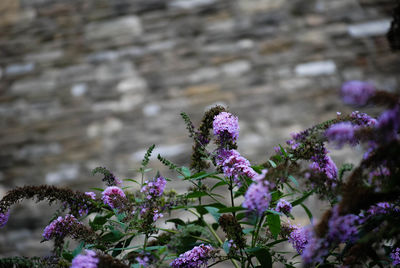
(154, 188)
(298, 237)
(342, 133)
(4, 218)
(342, 228)
(258, 197)
(86, 260)
(226, 126)
(323, 163)
(283, 206)
(395, 255)
(357, 92)
(112, 196)
(234, 165)
(194, 258)
(60, 227)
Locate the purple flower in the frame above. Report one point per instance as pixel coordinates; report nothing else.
(389, 123)
(363, 119)
(234, 165)
(326, 166)
(315, 249)
(154, 188)
(111, 194)
(357, 92)
(157, 215)
(298, 237)
(258, 197)
(91, 195)
(226, 126)
(143, 261)
(87, 260)
(60, 227)
(283, 206)
(194, 258)
(341, 133)
(4, 218)
(342, 228)
(395, 255)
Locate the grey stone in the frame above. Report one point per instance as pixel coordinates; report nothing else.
(33, 85)
(37, 151)
(45, 56)
(79, 90)
(204, 74)
(369, 28)
(107, 128)
(236, 68)
(115, 71)
(163, 150)
(64, 173)
(151, 109)
(133, 84)
(316, 68)
(128, 25)
(19, 69)
(190, 4)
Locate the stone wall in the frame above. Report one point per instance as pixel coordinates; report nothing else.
(96, 82)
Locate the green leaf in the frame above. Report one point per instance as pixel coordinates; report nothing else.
(131, 180)
(186, 171)
(78, 249)
(68, 256)
(196, 194)
(248, 230)
(309, 214)
(226, 247)
(97, 189)
(202, 175)
(262, 255)
(230, 209)
(274, 224)
(283, 151)
(218, 184)
(272, 163)
(112, 236)
(274, 212)
(99, 221)
(293, 180)
(214, 212)
(177, 222)
(301, 199)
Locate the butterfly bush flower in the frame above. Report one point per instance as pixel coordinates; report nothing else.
(342, 228)
(111, 195)
(283, 206)
(363, 119)
(258, 197)
(315, 249)
(226, 126)
(87, 260)
(298, 237)
(154, 188)
(194, 258)
(324, 164)
(234, 165)
(91, 195)
(357, 92)
(60, 227)
(4, 218)
(389, 123)
(342, 133)
(395, 255)
(143, 261)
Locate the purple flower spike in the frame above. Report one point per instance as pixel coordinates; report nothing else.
(257, 197)
(395, 255)
(283, 206)
(226, 126)
(91, 195)
(60, 227)
(154, 188)
(87, 260)
(194, 258)
(341, 133)
(298, 237)
(4, 218)
(357, 92)
(111, 194)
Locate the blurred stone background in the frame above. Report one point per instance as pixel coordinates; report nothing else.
(96, 82)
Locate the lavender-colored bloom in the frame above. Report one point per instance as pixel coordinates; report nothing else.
(341, 133)
(154, 188)
(60, 227)
(315, 249)
(87, 260)
(226, 126)
(389, 123)
(91, 195)
(234, 165)
(194, 258)
(283, 206)
(111, 194)
(157, 215)
(257, 197)
(395, 255)
(326, 166)
(298, 237)
(342, 228)
(363, 119)
(4, 218)
(143, 261)
(357, 92)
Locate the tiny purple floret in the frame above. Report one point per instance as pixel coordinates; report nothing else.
(87, 260)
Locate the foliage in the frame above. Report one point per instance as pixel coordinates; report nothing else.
(256, 220)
